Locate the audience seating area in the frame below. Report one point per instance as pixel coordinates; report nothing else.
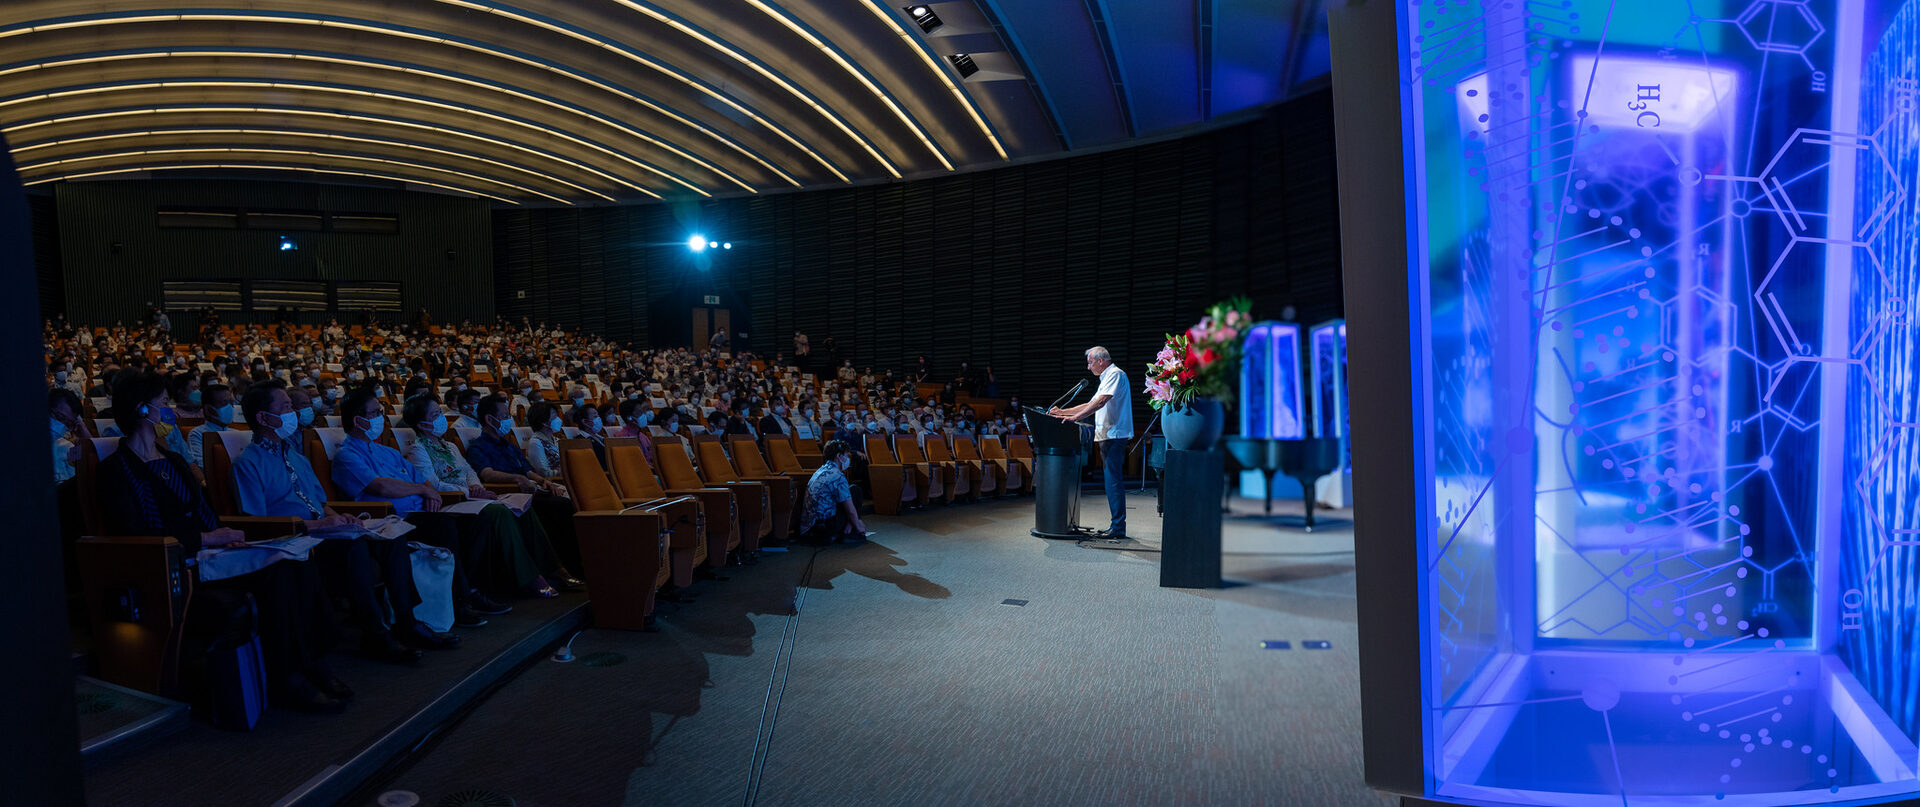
(697, 461)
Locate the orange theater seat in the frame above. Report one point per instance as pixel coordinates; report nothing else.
(718, 468)
(624, 547)
(893, 484)
(1017, 480)
(935, 479)
(692, 520)
(749, 499)
(992, 478)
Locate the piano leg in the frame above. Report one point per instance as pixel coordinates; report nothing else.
(1306, 495)
(1272, 476)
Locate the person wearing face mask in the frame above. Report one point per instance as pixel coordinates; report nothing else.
(498, 460)
(328, 401)
(776, 422)
(515, 556)
(146, 490)
(586, 418)
(636, 415)
(523, 397)
(805, 426)
(219, 405)
(830, 513)
(364, 470)
(467, 400)
(302, 401)
(65, 378)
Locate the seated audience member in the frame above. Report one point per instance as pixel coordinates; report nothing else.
(365, 470)
(544, 450)
(498, 460)
(737, 424)
(520, 557)
(68, 429)
(219, 411)
(830, 513)
(586, 418)
(328, 401)
(183, 390)
(636, 416)
(776, 423)
(146, 490)
(465, 400)
(302, 401)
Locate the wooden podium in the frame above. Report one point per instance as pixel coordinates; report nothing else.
(1190, 529)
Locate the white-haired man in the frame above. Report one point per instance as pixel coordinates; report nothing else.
(1112, 410)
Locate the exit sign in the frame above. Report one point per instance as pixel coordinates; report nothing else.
(713, 299)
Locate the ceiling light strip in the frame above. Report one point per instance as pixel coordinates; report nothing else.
(268, 167)
(754, 65)
(279, 110)
(294, 85)
(325, 155)
(452, 77)
(297, 133)
(457, 42)
(859, 75)
(642, 59)
(885, 14)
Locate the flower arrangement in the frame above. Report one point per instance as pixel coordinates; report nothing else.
(1203, 362)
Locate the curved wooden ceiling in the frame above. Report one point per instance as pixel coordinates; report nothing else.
(602, 101)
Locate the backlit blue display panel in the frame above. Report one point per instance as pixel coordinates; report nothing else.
(1665, 249)
(1270, 394)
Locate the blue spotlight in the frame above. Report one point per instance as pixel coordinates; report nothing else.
(697, 243)
(287, 244)
(727, 245)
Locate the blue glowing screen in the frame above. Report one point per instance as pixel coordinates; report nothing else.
(1270, 394)
(1665, 249)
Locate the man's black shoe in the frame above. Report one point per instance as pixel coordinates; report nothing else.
(421, 637)
(384, 647)
(464, 617)
(481, 605)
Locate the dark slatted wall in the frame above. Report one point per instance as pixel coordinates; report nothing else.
(46, 253)
(104, 284)
(1021, 267)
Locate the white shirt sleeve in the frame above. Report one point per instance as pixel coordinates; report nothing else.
(1109, 385)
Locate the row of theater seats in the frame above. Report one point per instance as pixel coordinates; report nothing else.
(641, 529)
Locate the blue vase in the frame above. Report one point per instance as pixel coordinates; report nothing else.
(1194, 427)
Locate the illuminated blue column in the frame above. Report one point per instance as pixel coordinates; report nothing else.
(1327, 354)
(1271, 396)
(1663, 259)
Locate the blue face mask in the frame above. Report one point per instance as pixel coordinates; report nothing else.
(193, 397)
(554, 425)
(375, 425)
(221, 415)
(166, 415)
(306, 416)
(437, 427)
(593, 424)
(644, 418)
(288, 424)
(505, 427)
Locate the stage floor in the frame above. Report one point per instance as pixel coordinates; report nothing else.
(905, 678)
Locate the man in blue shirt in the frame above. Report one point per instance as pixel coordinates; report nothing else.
(272, 478)
(364, 470)
(497, 459)
(829, 511)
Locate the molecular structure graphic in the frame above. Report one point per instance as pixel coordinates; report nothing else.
(1693, 282)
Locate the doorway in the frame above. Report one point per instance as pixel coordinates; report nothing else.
(707, 322)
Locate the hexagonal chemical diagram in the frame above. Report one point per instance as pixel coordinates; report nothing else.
(1780, 26)
(1791, 298)
(1888, 491)
(1796, 179)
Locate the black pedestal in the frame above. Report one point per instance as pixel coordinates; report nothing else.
(1190, 530)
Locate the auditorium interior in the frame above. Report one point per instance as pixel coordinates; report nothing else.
(540, 403)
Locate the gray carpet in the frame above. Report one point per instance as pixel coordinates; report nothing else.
(203, 765)
(908, 682)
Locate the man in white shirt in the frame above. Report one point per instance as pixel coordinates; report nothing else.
(1112, 410)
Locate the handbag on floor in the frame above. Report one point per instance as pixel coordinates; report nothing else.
(237, 673)
(433, 578)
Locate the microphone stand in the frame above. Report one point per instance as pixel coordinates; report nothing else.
(1136, 447)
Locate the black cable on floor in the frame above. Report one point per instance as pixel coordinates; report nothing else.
(782, 669)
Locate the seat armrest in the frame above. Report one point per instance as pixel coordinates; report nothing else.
(261, 528)
(503, 487)
(373, 509)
